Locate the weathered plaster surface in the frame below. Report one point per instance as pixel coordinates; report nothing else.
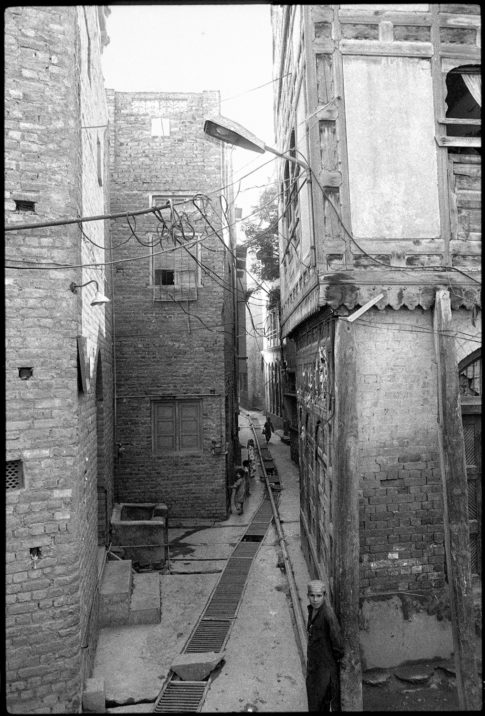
(391, 147)
(388, 638)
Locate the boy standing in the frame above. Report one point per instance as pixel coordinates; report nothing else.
(325, 648)
(238, 493)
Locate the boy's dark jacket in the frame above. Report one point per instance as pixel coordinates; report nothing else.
(325, 648)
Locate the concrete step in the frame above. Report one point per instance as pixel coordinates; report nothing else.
(145, 599)
(115, 593)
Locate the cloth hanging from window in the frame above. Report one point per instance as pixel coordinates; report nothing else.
(474, 85)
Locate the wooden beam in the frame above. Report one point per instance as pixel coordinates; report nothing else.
(455, 499)
(355, 16)
(346, 523)
(388, 49)
(330, 179)
(444, 141)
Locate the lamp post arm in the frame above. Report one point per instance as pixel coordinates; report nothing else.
(284, 156)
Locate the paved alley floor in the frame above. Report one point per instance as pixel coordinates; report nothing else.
(262, 669)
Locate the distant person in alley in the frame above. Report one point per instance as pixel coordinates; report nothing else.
(268, 428)
(251, 458)
(246, 476)
(238, 489)
(325, 648)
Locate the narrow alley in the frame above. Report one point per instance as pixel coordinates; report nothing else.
(262, 667)
(222, 222)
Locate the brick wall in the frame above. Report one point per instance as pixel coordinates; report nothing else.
(400, 496)
(95, 325)
(401, 504)
(49, 426)
(171, 348)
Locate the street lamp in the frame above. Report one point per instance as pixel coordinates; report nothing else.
(98, 299)
(231, 132)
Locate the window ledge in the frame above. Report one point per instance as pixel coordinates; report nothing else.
(172, 293)
(444, 141)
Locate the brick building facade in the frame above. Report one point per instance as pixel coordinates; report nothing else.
(175, 305)
(58, 352)
(382, 102)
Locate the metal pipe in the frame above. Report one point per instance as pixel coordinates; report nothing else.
(295, 600)
(80, 219)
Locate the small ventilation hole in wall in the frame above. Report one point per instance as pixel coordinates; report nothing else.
(22, 205)
(14, 474)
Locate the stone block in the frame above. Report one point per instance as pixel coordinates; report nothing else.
(115, 593)
(145, 599)
(94, 699)
(196, 667)
(415, 673)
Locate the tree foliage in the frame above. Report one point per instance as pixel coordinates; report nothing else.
(262, 236)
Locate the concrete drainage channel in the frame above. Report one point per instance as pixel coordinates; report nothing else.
(203, 651)
(190, 676)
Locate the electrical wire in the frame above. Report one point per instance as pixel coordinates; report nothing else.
(451, 333)
(409, 269)
(156, 212)
(253, 89)
(57, 266)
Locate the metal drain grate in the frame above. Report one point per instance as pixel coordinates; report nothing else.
(210, 635)
(260, 523)
(245, 549)
(212, 631)
(180, 696)
(264, 512)
(227, 594)
(256, 532)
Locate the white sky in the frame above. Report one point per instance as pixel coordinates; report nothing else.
(191, 48)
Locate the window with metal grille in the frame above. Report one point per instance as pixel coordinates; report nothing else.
(472, 436)
(14, 474)
(176, 426)
(470, 373)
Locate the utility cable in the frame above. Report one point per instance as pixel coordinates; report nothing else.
(378, 261)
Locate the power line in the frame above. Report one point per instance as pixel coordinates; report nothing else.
(420, 329)
(253, 89)
(409, 269)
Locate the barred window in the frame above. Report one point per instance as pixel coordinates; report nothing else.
(14, 474)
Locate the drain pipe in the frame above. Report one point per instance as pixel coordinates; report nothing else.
(295, 600)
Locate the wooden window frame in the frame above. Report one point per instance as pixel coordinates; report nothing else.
(449, 141)
(177, 291)
(177, 404)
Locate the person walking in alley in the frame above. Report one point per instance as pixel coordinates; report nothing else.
(268, 428)
(246, 476)
(238, 493)
(325, 648)
(251, 458)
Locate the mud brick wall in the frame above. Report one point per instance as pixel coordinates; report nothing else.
(170, 349)
(50, 426)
